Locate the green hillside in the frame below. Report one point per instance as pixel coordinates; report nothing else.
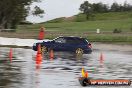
(78, 26)
(105, 25)
(106, 16)
(96, 16)
(104, 21)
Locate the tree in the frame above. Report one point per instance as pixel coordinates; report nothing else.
(86, 8)
(14, 11)
(127, 6)
(37, 11)
(100, 7)
(115, 7)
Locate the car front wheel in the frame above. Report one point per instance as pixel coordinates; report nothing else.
(79, 51)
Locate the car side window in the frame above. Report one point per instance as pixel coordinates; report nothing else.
(60, 40)
(71, 41)
(81, 40)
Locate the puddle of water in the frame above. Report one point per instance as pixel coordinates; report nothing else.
(63, 71)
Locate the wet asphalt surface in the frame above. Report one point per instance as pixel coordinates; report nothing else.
(62, 71)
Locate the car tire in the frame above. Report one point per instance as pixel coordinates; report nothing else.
(44, 49)
(79, 51)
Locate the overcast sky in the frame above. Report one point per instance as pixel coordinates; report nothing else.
(64, 8)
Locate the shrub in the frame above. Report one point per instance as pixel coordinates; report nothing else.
(117, 30)
(131, 29)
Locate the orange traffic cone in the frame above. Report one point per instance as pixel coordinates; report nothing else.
(41, 33)
(86, 74)
(10, 54)
(39, 55)
(51, 54)
(39, 49)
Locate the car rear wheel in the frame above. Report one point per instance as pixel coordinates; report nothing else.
(79, 51)
(44, 49)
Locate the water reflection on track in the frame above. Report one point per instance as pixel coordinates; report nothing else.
(63, 70)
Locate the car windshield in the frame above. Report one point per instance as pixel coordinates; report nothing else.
(85, 40)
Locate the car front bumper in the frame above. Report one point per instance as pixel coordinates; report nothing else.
(87, 51)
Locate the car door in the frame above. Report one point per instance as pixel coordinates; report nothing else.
(70, 44)
(59, 44)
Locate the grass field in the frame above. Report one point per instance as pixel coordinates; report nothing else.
(78, 26)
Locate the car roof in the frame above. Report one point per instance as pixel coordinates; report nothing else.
(70, 37)
(84, 40)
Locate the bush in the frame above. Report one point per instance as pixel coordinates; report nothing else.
(131, 29)
(117, 31)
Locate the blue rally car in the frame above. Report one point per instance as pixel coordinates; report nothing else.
(70, 44)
